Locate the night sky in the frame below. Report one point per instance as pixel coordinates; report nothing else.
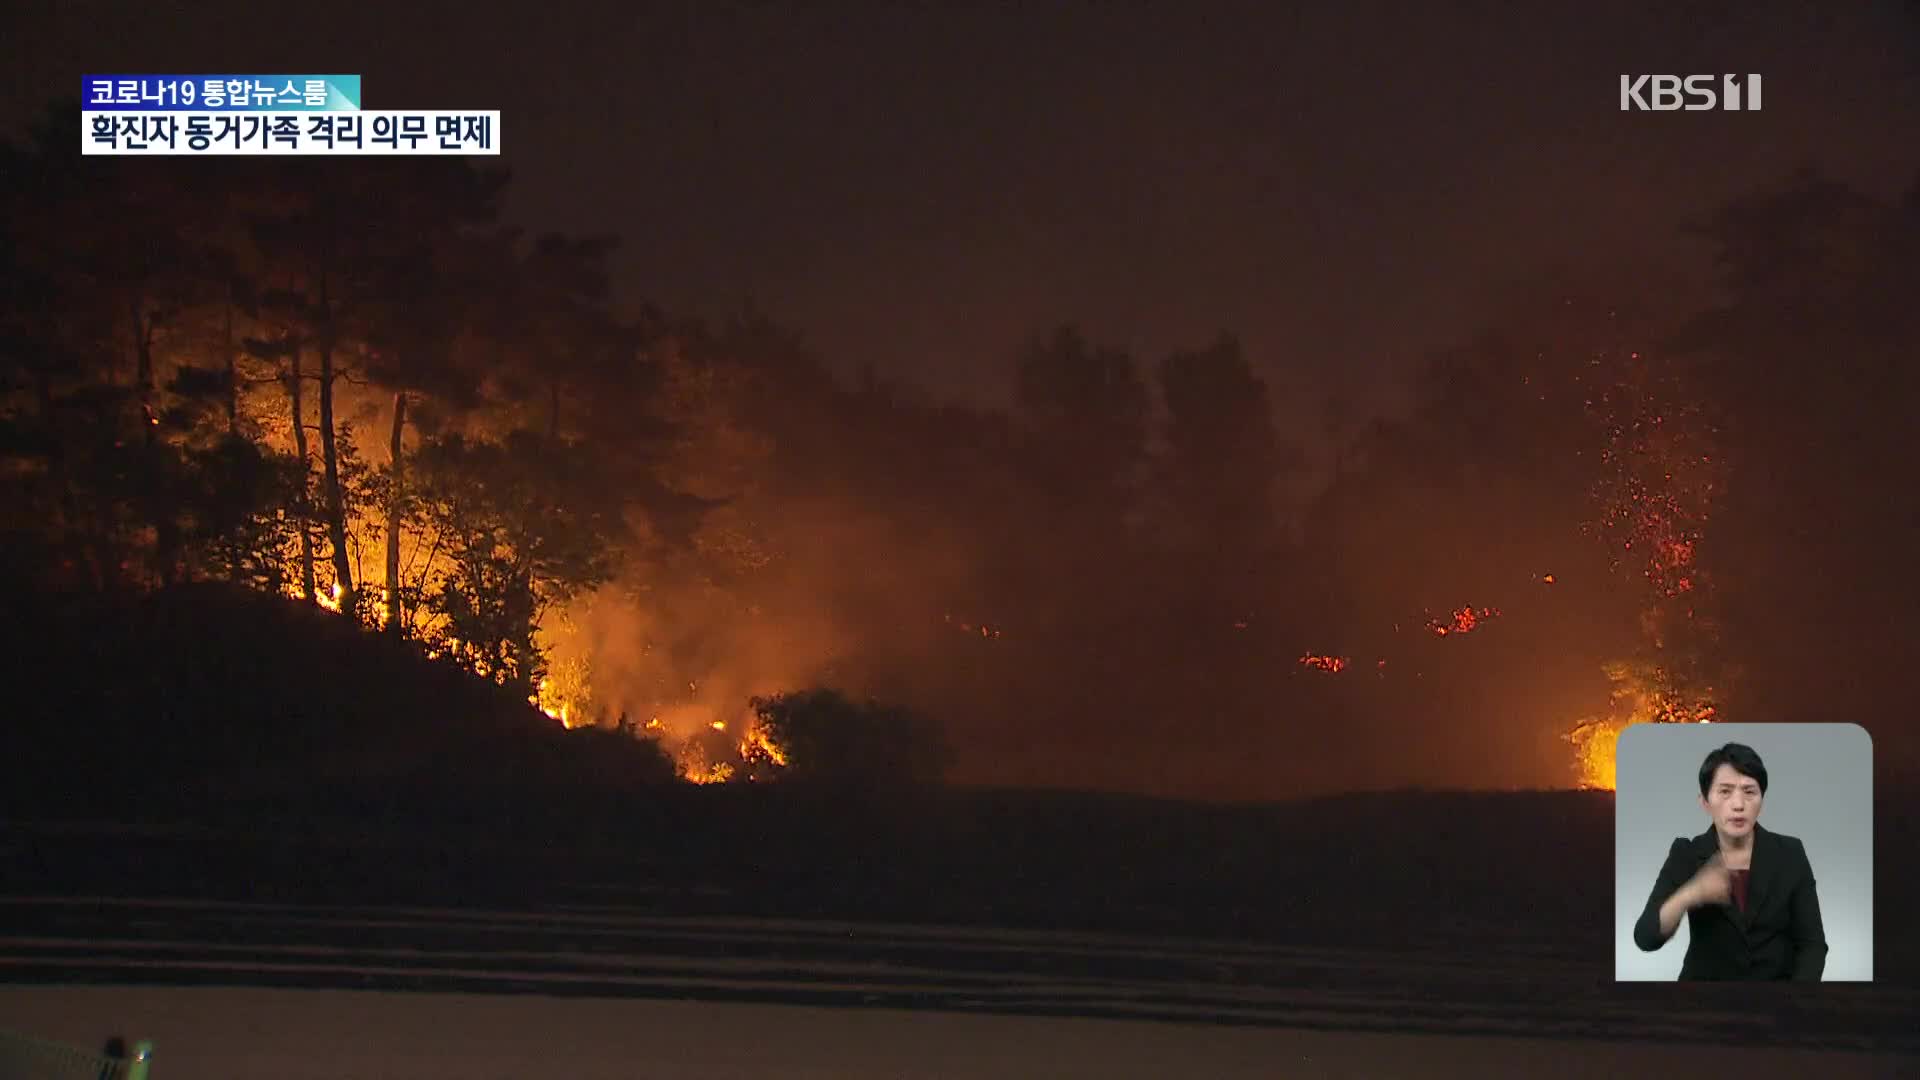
(919, 187)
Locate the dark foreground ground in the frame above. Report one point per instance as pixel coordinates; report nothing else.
(1317, 917)
(216, 1033)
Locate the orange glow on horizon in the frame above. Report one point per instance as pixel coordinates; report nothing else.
(1639, 696)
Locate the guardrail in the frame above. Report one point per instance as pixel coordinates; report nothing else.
(24, 1057)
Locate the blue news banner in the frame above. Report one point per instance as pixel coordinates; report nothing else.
(220, 93)
(267, 115)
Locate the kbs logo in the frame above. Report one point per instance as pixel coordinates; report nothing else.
(1694, 93)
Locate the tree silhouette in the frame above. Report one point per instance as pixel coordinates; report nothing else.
(1224, 454)
(1812, 361)
(1087, 412)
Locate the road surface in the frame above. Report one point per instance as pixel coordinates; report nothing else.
(215, 1033)
(269, 990)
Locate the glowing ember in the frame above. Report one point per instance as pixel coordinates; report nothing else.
(1655, 498)
(1659, 485)
(968, 626)
(1329, 664)
(1461, 621)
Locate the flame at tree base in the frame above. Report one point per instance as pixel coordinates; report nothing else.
(719, 773)
(705, 759)
(1640, 695)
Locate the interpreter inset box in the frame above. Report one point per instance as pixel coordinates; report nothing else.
(1744, 852)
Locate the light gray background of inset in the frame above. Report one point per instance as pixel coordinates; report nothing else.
(1819, 788)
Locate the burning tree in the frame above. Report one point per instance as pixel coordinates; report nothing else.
(1661, 472)
(526, 527)
(1641, 693)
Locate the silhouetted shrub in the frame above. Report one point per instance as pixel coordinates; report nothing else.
(821, 736)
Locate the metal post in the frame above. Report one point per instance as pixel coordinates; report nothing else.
(139, 1060)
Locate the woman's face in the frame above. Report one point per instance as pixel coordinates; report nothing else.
(1733, 802)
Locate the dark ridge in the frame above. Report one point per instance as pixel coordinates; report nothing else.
(145, 706)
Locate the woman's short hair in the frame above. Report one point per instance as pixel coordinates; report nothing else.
(1741, 757)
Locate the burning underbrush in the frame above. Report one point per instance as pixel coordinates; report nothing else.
(710, 748)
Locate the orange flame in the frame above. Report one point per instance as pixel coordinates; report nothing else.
(757, 744)
(1639, 696)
